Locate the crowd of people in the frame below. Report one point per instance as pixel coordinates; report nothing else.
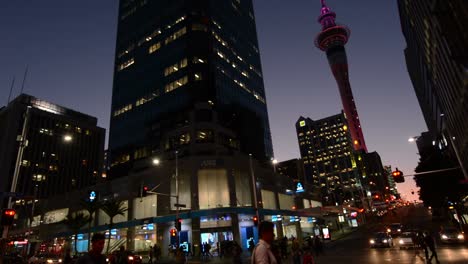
(273, 251)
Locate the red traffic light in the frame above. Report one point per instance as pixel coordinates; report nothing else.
(8, 215)
(10, 212)
(255, 220)
(173, 232)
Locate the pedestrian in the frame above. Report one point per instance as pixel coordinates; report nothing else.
(318, 246)
(67, 259)
(422, 244)
(284, 247)
(236, 253)
(122, 256)
(251, 245)
(150, 253)
(94, 256)
(429, 240)
(296, 251)
(262, 253)
(307, 258)
(157, 252)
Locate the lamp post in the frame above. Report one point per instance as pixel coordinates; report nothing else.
(177, 205)
(254, 187)
(274, 162)
(23, 143)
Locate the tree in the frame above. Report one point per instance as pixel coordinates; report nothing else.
(91, 207)
(113, 208)
(440, 187)
(74, 221)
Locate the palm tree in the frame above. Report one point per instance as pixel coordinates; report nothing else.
(74, 221)
(113, 208)
(91, 206)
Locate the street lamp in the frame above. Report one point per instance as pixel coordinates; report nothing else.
(254, 187)
(156, 161)
(67, 138)
(274, 162)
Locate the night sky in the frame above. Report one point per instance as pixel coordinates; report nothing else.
(69, 48)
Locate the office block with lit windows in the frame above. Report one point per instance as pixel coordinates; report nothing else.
(186, 73)
(63, 149)
(329, 160)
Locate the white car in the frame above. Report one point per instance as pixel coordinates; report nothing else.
(44, 259)
(406, 240)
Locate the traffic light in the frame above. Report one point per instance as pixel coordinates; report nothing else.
(255, 220)
(144, 191)
(398, 176)
(178, 224)
(173, 232)
(8, 215)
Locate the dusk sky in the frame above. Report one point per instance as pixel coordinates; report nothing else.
(69, 47)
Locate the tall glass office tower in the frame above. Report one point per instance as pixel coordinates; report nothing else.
(187, 76)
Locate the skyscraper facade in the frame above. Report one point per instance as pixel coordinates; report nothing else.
(329, 158)
(332, 40)
(186, 66)
(437, 61)
(61, 149)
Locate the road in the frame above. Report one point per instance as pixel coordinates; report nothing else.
(355, 248)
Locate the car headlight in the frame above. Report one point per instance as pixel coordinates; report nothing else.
(107, 259)
(461, 236)
(389, 230)
(444, 237)
(372, 241)
(50, 261)
(401, 242)
(130, 257)
(385, 241)
(60, 260)
(399, 230)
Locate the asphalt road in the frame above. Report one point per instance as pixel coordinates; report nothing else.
(355, 248)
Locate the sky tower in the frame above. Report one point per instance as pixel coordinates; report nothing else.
(332, 39)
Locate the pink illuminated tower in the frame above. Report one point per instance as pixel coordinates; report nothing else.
(332, 39)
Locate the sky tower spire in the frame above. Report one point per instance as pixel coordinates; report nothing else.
(332, 40)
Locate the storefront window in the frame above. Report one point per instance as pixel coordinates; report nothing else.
(268, 200)
(144, 207)
(213, 188)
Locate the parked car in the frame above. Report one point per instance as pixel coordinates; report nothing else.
(381, 239)
(407, 240)
(44, 258)
(451, 235)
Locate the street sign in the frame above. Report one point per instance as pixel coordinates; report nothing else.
(180, 205)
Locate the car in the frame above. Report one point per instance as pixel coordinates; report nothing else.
(451, 235)
(407, 240)
(44, 258)
(13, 258)
(131, 257)
(394, 229)
(381, 239)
